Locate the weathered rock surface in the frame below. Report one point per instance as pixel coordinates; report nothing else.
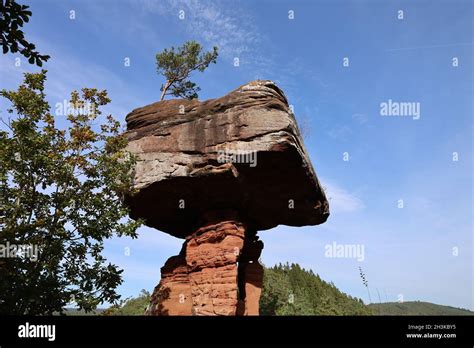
(212, 254)
(250, 275)
(172, 296)
(188, 154)
(217, 268)
(216, 172)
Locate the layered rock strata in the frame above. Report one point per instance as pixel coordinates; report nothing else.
(216, 273)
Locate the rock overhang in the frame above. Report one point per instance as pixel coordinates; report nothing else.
(240, 152)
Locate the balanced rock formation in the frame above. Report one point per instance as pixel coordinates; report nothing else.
(214, 173)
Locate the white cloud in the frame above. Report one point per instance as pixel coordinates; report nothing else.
(340, 132)
(360, 118)
(224, 26)
(341, 200)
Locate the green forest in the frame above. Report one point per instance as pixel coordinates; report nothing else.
(292, 290)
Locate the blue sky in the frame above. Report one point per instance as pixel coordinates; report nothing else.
(408, 251)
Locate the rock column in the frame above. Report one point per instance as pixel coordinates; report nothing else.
(250, 275)
(172, 296)
(216, 273)
(212, 253)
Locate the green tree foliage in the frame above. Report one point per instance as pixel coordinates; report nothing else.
(176, 65)
(291, 290)
(12, 18)
(61, 190)
(131, 306)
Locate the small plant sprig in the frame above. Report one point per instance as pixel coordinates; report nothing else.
(365, 282)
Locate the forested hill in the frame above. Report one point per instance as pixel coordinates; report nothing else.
(292, 290)
(416, 308)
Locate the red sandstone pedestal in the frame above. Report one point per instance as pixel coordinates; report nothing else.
(216, 273)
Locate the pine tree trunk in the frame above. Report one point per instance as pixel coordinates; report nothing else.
(165, 88)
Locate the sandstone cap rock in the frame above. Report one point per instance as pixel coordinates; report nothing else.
(242, 152)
